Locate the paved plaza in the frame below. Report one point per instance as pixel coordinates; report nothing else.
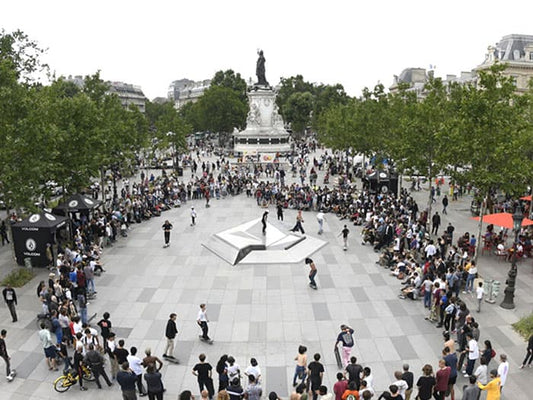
(259, 310)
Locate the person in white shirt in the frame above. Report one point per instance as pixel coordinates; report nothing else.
(479, 295)
(430, 249)
(254, 370)
(202, 322)
(473, 354)
(402, 385)
(482, 373)
(503, 370)
(136, 366)
(320, 219)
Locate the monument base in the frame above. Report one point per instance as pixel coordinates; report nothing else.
(265, 131)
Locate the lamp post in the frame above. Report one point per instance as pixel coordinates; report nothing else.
(508, 301)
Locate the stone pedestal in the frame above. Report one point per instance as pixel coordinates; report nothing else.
(265, 132)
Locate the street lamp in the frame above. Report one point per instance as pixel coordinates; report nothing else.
(508, 301)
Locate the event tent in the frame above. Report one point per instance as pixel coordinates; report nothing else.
(32, 234)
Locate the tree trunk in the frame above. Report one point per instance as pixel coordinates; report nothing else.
(102, 187)
(430, 202)
(480, 225)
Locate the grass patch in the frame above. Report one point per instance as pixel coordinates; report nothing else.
(524, 326)
(18, 278)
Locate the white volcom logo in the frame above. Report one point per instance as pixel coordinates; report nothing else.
(31, 245)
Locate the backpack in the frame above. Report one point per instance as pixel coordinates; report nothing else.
(492, 353)
(350, 397)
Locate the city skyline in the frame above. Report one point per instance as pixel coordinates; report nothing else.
(356, 45)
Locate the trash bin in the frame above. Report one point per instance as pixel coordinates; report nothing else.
(496, 288)
(27, 263)
(487, 286)
(179, 171)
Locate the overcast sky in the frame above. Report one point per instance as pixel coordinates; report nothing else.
(355, 43)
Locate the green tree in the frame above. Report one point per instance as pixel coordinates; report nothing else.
(298, 111)
(220, 110)
(231, 80)
(488, 136)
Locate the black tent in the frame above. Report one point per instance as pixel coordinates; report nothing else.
(31, 235)
(76, 203)
(383, 181)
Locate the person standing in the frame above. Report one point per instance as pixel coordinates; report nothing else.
(279, 208)
(193, 216)
(312, 272)
(135, 364)
(320, 220)
(345, 232)
(473, 354)
(154, 384)
(479, 295)
(493, 388)
(529, 353)
(4, 355)
(264, 221)
(435, 223)
(203, 371)
(299, 221)
(408, 377)
(170, 333)
(95, 361)
(444, 204)
(354, 371)
(167, 227)
(3, 233)
(301, 366)
(105, 328)
(77, 364)
(346, 338)
(503, 370)
(127, 379)
(48, 346)
(10, 297)
(316, 373)
(202, 321)
(471, 391)
(442, 377)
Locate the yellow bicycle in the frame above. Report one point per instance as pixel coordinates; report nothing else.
(70, 377)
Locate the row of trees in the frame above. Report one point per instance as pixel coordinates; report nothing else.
(63, 132)
(478, 132)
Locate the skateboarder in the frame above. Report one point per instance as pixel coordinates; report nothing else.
(345, 232)
(299, 221)
(264, 221)
(202, 322)
(320, 220)
(312, 272)
(167, 227)
(10, 374)
(193, 216)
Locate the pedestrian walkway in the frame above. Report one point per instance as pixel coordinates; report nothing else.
(264, 311)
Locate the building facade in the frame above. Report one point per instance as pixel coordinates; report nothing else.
(185, 91)
(516, 51)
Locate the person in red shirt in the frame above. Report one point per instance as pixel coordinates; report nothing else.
(340, 386)
(442, 377)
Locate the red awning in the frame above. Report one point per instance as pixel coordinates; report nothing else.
(503, 219)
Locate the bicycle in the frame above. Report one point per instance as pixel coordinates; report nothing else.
(70, 377)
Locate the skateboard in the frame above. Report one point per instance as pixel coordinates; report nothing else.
(166, 245)
(11, 375)
(345, 248)
(171, 359)
(208, 341)
(338, 358)
(313, 286)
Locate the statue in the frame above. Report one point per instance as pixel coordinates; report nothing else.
(260, 70)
